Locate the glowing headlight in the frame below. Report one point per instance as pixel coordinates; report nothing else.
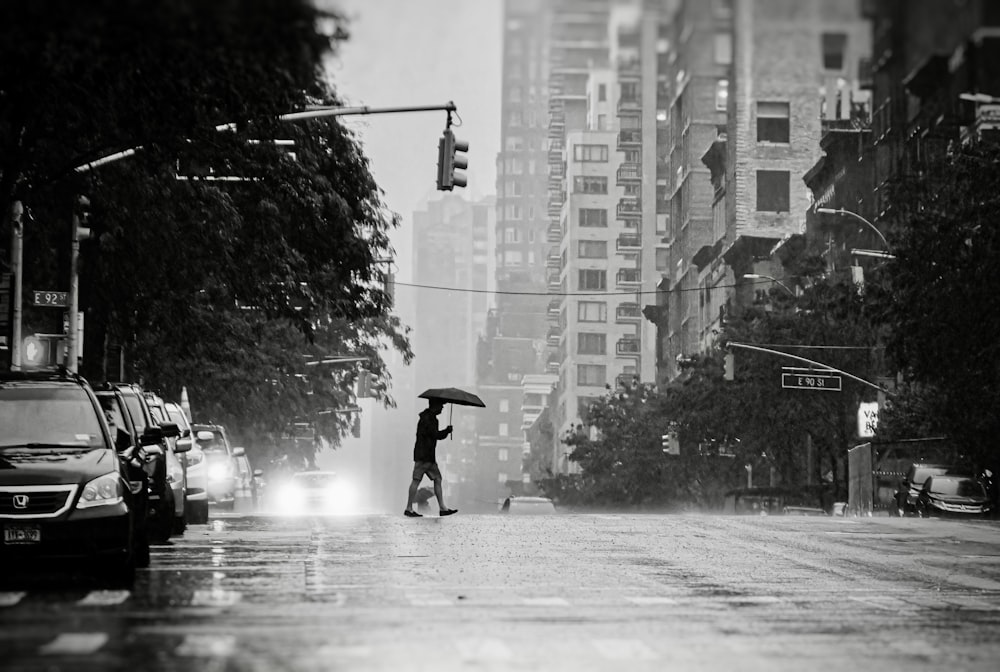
(220, 471)
(101, 491)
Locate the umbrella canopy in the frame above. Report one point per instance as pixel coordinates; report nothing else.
(452, 395)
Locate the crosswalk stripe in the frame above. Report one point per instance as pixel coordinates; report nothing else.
(207, 646)
(430, 601)
(483, 648)
(545, 602)
(10, 599)
(624, 649)
(215, 598)
(651, 599)
(70, 643)
(104, 597)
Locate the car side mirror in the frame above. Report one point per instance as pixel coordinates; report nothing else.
(238, 450)
(186, 432)
(170, 429)
(154, 450)
(183, 445)
(258, 472)
(205, 435)
(151, 436)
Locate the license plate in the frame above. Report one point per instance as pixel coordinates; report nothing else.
(22, 534)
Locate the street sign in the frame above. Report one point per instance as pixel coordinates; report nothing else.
(50, 299)
(810, 379)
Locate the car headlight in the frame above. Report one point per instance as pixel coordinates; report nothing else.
(101, 491)
(220, 471)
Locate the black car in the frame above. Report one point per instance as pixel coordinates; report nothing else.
(64, 487)
(953, 496)
(913, 482)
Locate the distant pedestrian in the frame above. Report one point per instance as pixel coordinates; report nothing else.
(424, 458)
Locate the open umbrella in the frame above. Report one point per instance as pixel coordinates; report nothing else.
(452, 395)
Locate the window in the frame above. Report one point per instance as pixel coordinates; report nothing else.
(593, 249)
(596, 280)
(502, 429)
(593, 217)
(592, 311)
(721, 94)
(592, 153)
(591, 344)
(602, 92)
(591, 374)
(512, 235)
(723, 48)
(502, 454)
(772, 190)
(583, 184)
(502, 477)
(662, 259)
(602, 122)
(772, 122)
(504, 405)
(834, 46)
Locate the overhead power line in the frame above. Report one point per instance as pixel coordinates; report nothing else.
(507, 293)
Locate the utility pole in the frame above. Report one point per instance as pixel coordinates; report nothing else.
(17, 262)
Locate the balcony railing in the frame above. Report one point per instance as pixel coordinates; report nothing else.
(553, 337)
(629, 138)
(553, 261)
(629, 276)
(553, 234)
(627, 312)
(629, 172)
(629, 207)
(629, 242)
(629, 106)
(628, 346)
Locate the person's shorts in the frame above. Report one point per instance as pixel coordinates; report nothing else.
(430, 469)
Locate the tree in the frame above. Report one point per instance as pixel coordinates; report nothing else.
(942, 307)
(224, 287)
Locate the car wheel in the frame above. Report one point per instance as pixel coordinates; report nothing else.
(142, 553)
(161, 519)
(118, 573)
(197, 513)
(180, 525)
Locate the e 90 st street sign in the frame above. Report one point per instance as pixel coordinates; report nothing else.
(810, 379)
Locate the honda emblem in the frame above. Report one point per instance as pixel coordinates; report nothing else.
(20, 501)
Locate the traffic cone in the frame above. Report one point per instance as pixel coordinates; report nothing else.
(186, 403)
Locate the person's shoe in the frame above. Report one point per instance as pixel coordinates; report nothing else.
(412, 514)
(448, 512)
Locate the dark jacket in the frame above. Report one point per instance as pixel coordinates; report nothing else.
(427, 437)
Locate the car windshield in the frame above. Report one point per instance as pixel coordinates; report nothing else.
(216, 445)
(922, 473)
(177, 415)
(315, 480)
(960, 487)
(46, 417)
(135, 410)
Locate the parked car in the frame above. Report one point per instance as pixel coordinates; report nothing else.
(527, 506)
(196, 475)
(141, 465)
(954, 496)
(162, 492)
(220, 464)
(176, 473)
(913, 482)
(64, 487)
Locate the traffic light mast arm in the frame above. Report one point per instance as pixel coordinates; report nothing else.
(827, 367)
(308, 113)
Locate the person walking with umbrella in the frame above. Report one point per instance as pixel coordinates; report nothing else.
(424, 458)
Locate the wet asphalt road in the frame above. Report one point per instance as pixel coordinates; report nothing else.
(564, 592)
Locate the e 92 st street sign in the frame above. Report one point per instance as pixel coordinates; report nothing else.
(810, 379)
(50, 299)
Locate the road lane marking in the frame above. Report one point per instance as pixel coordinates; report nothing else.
(215, 597)
(424, 600)
(624, 649)
(752, 599)
(545, 602)
(10, 599)
(207, 646)
(642, 600)
(70, 643)
(104, 597)
(483, 648)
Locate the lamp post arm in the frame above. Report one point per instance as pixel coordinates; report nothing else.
(841, 211)
(826, 367)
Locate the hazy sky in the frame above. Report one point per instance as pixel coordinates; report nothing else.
(413, 53)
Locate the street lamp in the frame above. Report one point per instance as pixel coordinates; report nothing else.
(872, 253)
(841, 211)
(758, 276)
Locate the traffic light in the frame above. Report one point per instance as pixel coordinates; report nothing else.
(81, 213)
(450, 161)
(730, 367)
(671, 443)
